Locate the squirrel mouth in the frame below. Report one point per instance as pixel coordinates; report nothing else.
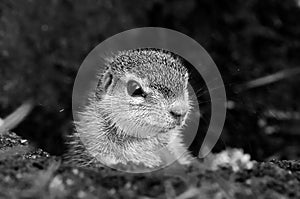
(116, 133)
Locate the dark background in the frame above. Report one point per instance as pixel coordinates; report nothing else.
(42, 44)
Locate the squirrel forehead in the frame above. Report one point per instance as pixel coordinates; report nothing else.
(161, 70)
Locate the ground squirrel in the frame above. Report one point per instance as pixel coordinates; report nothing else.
(140, 105)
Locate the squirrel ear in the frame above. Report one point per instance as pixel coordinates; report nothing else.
(104, 84)
(107, 80)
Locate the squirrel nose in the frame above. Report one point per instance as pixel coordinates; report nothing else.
(178, 115)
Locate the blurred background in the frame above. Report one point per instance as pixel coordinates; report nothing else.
(42, 44)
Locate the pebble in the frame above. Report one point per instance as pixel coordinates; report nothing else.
(81, 194)
(57, 184)
(23, 141)
(69, 182)
(75, 171)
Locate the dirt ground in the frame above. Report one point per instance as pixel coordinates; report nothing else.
(27, 173)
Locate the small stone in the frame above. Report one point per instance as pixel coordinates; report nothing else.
(19, 175)
(127, 185)
(81, 194)
(112, 191)
(81, 175)
(7, 178)
(56, 183)
(23, 141)
(248, 181)
(75, 171)
(69, 182)
(57, 187)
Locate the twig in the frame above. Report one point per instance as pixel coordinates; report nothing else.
(268, 79)
(16, 117)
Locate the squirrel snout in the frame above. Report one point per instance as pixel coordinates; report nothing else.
(178, 115)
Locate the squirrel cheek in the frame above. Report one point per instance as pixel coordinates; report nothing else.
(136, 100)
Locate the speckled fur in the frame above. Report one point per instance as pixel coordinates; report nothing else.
(117, 128)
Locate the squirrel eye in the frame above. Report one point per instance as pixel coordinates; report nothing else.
(134, 89)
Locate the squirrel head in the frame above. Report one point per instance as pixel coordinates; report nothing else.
(144, 92)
